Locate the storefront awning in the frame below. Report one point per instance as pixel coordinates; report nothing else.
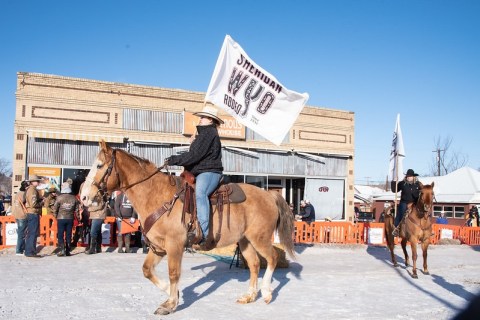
(76, 136)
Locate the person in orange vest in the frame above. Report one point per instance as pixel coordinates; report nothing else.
(124, 210)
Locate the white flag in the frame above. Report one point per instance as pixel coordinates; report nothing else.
(252, 95)
(397, 154)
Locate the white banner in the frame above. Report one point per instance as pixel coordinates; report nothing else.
(11, 231)
(396, 154)
(252, 95)
(375, 235)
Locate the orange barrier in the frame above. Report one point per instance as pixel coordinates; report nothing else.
(48, 231)
(343, 232)
(326, 232)
(470, 235)
(338, 232)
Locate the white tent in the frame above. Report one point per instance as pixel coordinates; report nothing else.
(459, 186)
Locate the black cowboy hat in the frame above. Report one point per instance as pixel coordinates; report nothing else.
(411, 173)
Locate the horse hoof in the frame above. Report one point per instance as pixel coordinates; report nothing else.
(426, 273)
(268, 299)
(395, 265)
(162, 311)
(414, 276)
(246, 299)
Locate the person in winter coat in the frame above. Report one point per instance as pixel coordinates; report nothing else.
(124, 210)
(97, 215)
(204, 161)
(410, 192)
(307, 212)
(33, 205)
(64, 209)
(20, 214)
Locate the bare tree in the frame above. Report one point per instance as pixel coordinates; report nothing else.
(445, 159)
(5, 176)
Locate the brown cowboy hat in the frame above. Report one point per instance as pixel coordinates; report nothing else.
(210, 112)
(34, 177)
(411, 173)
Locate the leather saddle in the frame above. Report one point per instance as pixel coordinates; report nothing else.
(224, 195)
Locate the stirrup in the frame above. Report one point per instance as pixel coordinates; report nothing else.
(395, 232)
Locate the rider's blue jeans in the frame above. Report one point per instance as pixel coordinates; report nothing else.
(401, 209)
(205, 184)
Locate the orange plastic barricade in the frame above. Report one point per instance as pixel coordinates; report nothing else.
(374, 233)
(444, 231)
(326, 232)
(128, 227)
(470, 235)
(5, 230)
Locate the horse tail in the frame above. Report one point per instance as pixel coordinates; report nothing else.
(284, 224)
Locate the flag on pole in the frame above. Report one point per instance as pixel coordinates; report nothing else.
(252, 95)
(397, 154)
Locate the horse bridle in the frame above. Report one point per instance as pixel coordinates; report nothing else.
(423, 209)
(102, 184)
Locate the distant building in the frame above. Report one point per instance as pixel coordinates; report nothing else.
(455, 194)
(59, 121)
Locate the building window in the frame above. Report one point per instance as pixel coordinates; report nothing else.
(20, 136)
(116, 118)
(259, 181)
(19, 156)
(437, 210)
(459, 212)
(448, 211)
(233, 178)
(24, 110)
(18, 177)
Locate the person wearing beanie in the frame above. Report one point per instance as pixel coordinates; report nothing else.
(64, 209)
(124, 210)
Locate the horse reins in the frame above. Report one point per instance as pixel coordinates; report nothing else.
(152, 218)
(425, 216)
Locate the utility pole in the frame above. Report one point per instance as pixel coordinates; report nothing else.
(438, 160)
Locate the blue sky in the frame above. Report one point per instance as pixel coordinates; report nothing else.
(376, 58)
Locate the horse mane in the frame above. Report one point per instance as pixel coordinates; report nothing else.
(142, 162)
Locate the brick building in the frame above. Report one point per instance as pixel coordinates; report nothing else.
(59, 121)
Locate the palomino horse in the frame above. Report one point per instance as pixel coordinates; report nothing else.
(250, 223)
(415, 227)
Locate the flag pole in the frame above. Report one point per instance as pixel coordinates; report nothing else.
(396, 183)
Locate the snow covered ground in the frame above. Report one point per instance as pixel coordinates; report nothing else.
(325, 282)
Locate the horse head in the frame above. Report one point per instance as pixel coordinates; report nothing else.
(425, 200)
(102, 178)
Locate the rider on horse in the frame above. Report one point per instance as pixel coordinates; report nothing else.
(204, 161)
(410, 188)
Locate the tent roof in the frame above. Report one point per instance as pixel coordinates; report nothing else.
(459, 186)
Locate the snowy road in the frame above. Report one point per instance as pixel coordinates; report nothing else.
(325, 282)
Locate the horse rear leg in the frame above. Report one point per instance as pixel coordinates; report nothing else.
(265, 248)
(391, 243)
(250, 255)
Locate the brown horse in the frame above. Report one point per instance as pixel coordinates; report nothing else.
(250, 223)
(415, 227)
